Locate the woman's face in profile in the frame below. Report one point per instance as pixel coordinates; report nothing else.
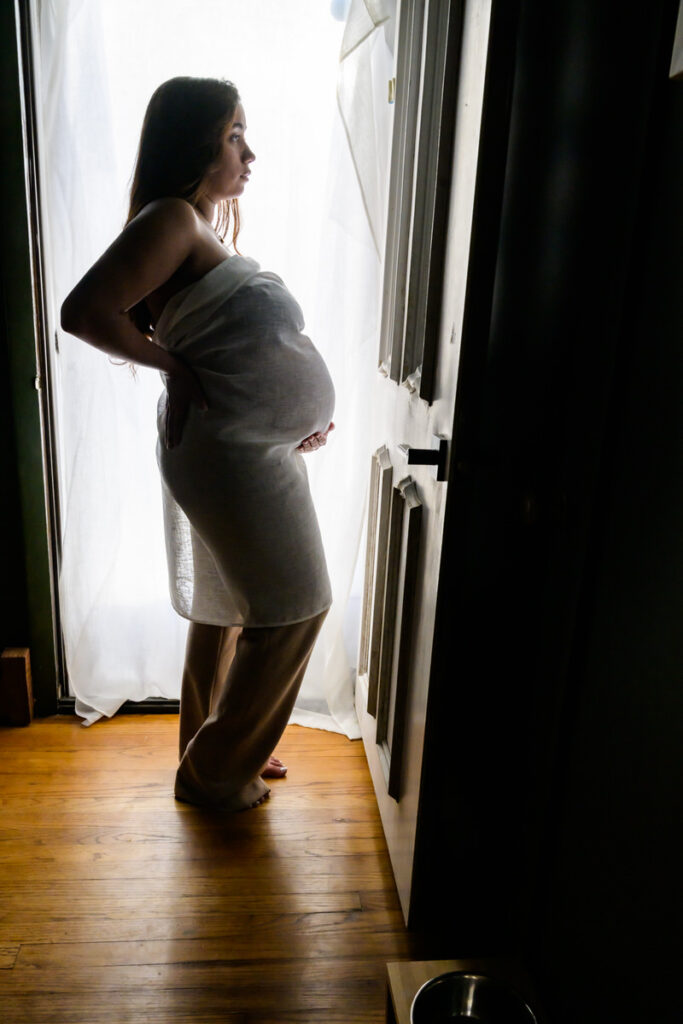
(230, 173)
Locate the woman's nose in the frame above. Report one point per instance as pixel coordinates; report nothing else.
(249, 155)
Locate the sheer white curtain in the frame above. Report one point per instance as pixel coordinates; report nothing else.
(304, 216)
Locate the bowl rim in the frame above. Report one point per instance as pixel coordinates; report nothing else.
(499, 982)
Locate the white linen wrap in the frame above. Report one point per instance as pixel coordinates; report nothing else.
(242, 537)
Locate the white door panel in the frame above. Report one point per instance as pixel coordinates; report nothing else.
(438, 110)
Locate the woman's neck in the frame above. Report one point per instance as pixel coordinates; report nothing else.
(207, 208)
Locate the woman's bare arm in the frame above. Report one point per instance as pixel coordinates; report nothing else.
(146, 253)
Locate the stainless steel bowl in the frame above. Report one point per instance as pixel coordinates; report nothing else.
(461, 996)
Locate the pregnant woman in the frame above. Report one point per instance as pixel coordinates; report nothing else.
(246, 394)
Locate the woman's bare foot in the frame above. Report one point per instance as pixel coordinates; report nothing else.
(237, 802)
(273, 769)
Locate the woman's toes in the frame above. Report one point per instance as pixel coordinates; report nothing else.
(274, 769)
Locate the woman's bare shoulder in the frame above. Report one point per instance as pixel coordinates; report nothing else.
(143, 257)
(165, 230)
(168, 211)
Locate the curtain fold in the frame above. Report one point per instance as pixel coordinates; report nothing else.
(305, 217)
(365, 67)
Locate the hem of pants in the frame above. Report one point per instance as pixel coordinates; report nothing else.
(241, 800)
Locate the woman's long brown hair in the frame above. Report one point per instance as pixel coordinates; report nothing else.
(181, 138)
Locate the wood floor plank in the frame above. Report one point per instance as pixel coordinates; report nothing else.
(8, 956)
(253, 984)
(268, 884)
(118, 904)
(82, 852)
(59, 932)
(192, 834)
(358, 871)
(43, 768)
(44, 907)
(47, 942)
(129, 731)
(131, 1009)
(188, 940)
(139, 797)
(377, 899)
(162, 818)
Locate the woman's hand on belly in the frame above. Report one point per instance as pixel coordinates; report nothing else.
(315, 441)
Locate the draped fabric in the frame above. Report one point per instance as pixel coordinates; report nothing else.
(305, 217)
(242, 536)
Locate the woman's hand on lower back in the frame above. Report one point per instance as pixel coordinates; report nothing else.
(315, 441)
(182, 387)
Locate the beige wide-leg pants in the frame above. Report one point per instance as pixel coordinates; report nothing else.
(238, 690)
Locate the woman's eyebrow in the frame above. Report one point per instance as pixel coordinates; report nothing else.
(237, 124)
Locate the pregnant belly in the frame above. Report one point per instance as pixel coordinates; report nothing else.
(277, 399)
(300, 399)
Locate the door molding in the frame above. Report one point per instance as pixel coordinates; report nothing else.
(397, 633)
(25, 323)
(375, 572)
(401, 177)
(419, 190)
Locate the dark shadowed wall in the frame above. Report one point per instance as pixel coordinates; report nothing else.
(616, 892)
(553, 773)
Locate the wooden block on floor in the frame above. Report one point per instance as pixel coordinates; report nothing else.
(16, 692)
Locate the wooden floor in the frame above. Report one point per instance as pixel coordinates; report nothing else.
(119, 904)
